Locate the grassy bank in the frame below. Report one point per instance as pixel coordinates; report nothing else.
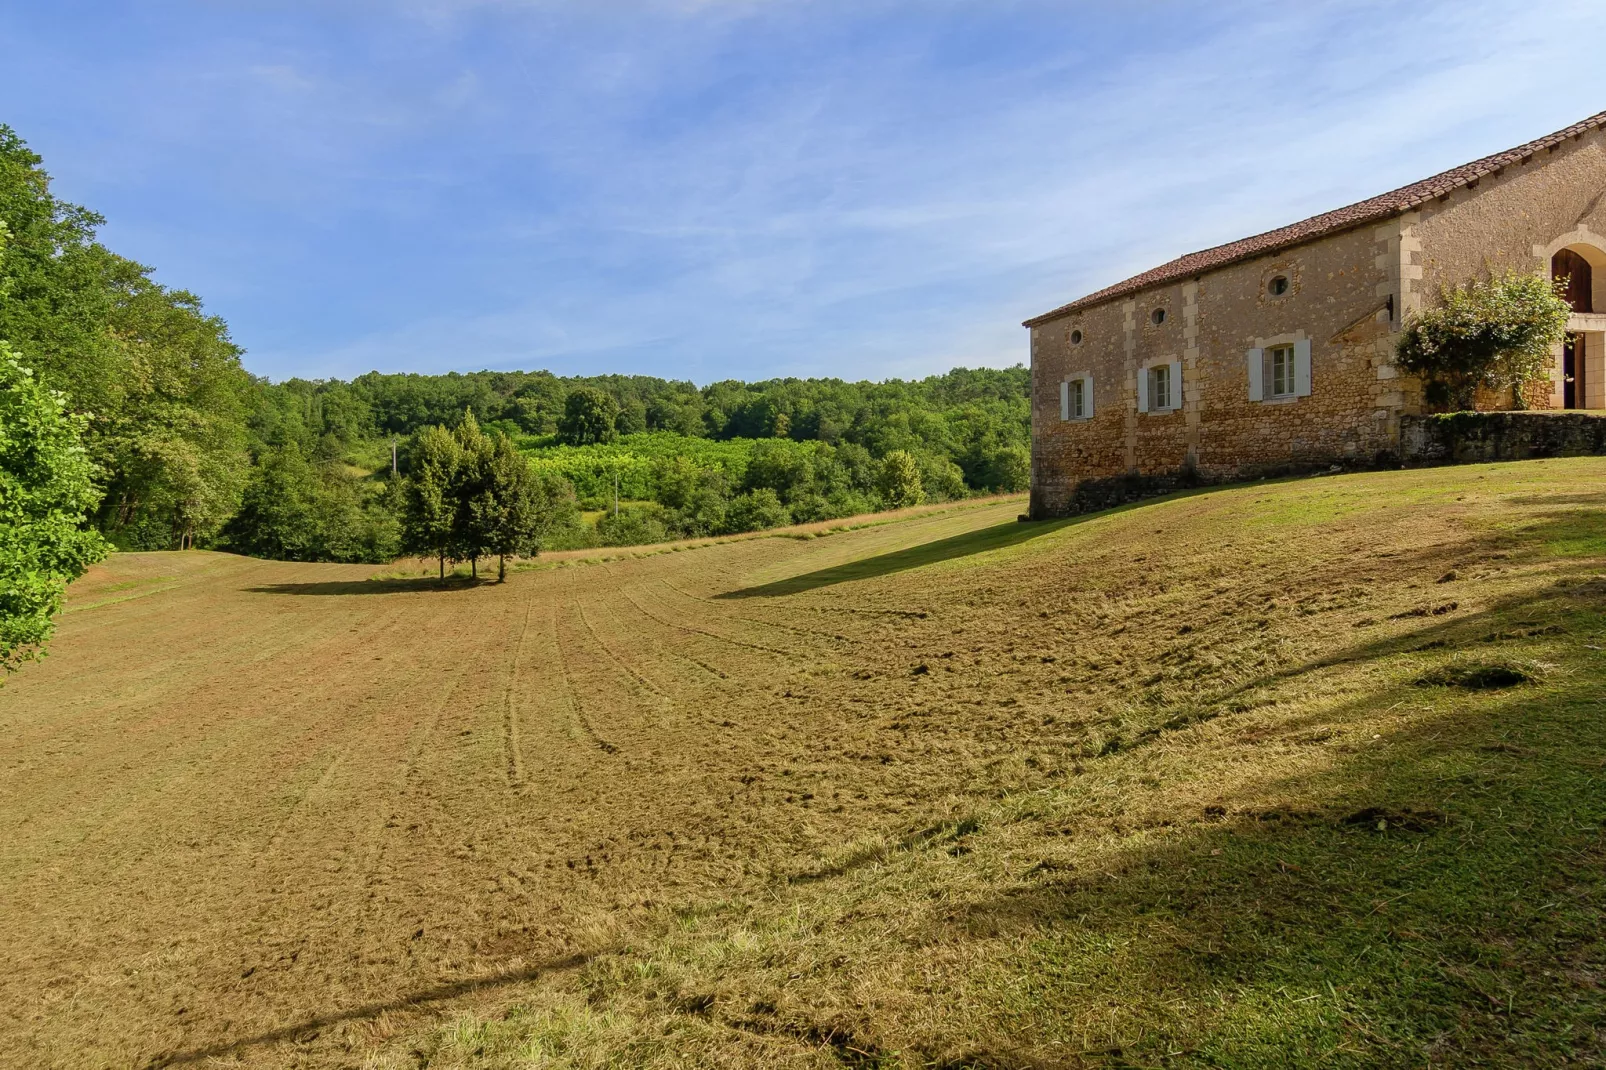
(1304, 773)
(1315, 778)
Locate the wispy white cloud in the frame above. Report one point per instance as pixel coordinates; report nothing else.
(751, 188)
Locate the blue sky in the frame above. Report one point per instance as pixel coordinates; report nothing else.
(709, 189)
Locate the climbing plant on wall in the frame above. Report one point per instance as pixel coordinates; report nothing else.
(1497, 332)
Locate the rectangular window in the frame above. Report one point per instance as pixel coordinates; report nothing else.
(1076, 397)
(1160, 387)
(1279, 372)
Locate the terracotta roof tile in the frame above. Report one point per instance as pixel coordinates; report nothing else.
(1368, 211)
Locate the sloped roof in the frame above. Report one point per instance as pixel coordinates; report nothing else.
(1369, 211)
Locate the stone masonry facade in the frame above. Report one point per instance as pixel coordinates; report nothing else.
(1334, 289)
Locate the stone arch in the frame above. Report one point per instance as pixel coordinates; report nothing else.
(1579, 374)
(1570, 267)
(1591, 247)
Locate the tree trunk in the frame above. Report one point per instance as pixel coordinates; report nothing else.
(443, 568)
(474, 567)
(501, 568)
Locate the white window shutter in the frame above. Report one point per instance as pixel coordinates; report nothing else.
(1065, 399)
(1143, 390)
(1176, 384)
(1087, 396)
(1256, 393)
(1302, 368)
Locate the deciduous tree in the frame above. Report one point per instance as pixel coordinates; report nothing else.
(514, 507)
(162, 380)
(473, 492)
(900, 483)
(46, 493)
(429, 510)
(295, 509)
(588, 417)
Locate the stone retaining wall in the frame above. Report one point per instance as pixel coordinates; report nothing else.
(1451, 438)
(1468, 437)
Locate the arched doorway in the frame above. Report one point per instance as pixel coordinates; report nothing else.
(1574, 267)
(1570, 265)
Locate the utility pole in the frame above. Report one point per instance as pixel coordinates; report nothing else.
(616, 490)
(392, 454)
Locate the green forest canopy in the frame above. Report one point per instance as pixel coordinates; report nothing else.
(190, 449)
(683, 461)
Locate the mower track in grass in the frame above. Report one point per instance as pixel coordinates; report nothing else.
(1197, 782)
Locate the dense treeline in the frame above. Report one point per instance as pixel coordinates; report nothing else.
(976, 418)
(189, 449)
(663, 458)
(960, 408)
(159, 381)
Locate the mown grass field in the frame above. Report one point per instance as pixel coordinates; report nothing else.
(1308, 773)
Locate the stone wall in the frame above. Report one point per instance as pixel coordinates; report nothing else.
(1468, 437)
(1451, 438)
(1516, 218)
(1349, 293)
(1519, 218)
(1337, 299)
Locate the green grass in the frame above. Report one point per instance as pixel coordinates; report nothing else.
(1570, 533)
(1320, 780)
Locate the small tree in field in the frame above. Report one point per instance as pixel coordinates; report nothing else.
(429, 511)
(470, 494)
(45, 494)
(512, 511)
(499, 499)
(473, 492)
(1495, 333)
(899, 481)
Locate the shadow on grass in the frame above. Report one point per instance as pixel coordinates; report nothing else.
(1568, 532)
(972, 542)
(308, 1028)
(390, 586)
(1434, 897)
(1448, 624)
(1553, 500)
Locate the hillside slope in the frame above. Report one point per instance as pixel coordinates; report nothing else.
(1294, 773)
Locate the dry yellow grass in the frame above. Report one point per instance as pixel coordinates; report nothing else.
(1154, 787)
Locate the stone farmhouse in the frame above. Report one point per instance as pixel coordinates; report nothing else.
(1275, 353)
